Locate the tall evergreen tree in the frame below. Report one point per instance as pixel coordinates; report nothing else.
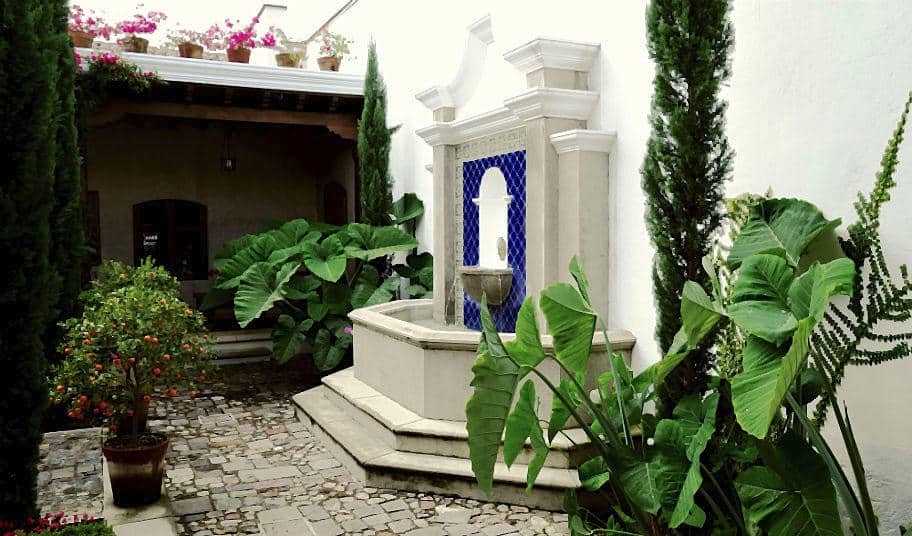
(687, 162)
(28, 76)
(67, 237)
(374, 140)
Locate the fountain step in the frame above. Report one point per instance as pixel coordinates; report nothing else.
(406, 431)
(371, 459)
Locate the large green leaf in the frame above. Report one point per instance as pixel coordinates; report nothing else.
(407, 208)
(301, 287)
(697, 421)
(560, 412)
(640, 481)
(259, 248)
(288, 337)
(764, 277)
(792, 495)
(526, 349)
(783, 227)
(769, 371)
(572, 324)
(699, 314)
(414, 263)
(494, 380)
(216, 297)
(296, 230)
(768, 320)
(337, 298)
(329, 350)
(582, 282)
(366, 295)
(259, 290)
(523, 424)
(594, 473)
(325, 259)
(369, 242)
(810, 294)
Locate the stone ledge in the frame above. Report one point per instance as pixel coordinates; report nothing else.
(380, 318)
(582, 140)
(370, 459)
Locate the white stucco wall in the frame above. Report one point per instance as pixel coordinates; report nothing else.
(817, 88)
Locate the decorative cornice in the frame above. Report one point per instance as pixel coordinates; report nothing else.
(553, 102)
(553, 54)
(456, 132)
(598, 141)
(223, 73)
(468, 75)
(436, 97)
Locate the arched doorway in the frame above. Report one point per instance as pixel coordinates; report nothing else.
(174, 233)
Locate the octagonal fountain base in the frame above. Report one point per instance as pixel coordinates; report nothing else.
(396, 418)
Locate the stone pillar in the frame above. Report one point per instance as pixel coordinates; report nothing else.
(443, 169)
(558, 100)
(583, 207)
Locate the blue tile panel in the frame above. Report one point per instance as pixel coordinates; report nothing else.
(513, 166)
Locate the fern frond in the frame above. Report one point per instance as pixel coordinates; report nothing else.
(843, 338)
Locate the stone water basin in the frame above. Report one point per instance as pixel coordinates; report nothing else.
(400, 351)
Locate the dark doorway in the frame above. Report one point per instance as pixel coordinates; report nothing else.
(174, 233)
(335, 204)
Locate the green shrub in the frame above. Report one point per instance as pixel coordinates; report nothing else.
(313, 275)
(28, 106)
(135, 335)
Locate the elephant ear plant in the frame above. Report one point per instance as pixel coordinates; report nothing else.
(765, 471)
(312, 275)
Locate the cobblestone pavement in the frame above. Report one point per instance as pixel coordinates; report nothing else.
(240, 462)
(69, 477)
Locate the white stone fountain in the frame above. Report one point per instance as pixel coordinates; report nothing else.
(518, 191)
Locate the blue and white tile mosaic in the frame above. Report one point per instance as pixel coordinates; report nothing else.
(513, 166)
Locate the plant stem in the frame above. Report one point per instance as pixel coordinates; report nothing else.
(603, 420)
(593, 437)
(724, 496)
(616, 379)
(715, 508)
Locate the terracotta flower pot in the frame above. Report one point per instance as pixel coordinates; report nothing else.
(136, 468)
(286, 59)
(131, 43)
(190, 50)
(239, 55)
(329, 63)
(81, 39)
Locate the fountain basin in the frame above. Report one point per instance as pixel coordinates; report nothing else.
(425, 367)
(493, 283)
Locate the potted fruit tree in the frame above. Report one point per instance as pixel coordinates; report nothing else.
(136, 340)
(332, 50)
(139, 24)
(85, 27)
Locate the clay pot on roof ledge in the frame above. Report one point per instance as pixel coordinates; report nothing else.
(329, 63)
(190, 50)
(239, 55)
(81, 39)
(131, 43)
(492, 283)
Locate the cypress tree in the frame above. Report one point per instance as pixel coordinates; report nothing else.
(374, 140)
(687, 162)
(27, 104)
(67, 236)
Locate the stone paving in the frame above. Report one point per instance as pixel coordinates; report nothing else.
(70, 472)
(241, 463)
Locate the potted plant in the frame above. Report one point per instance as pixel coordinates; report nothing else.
(188, 42)
(84, 28)
(333, 49)
(134, 341)
(238, 40)
(139, 24)
(293, 52)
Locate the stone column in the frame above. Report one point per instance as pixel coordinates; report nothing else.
(558, 100)
(583, 207)
(443, 169)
